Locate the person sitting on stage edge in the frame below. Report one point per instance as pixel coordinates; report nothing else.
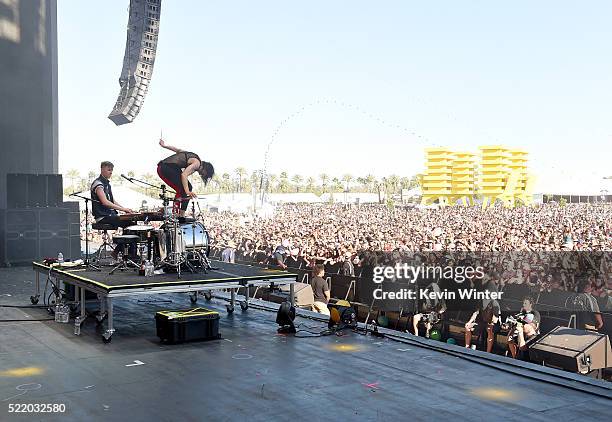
(320, 289)
(527, 330)
(104, 207)
(484, 319)
(175, 170)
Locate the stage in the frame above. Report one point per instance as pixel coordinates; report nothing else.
(107, 287)
(254, 373)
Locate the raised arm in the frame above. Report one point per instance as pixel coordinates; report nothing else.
(170, 147)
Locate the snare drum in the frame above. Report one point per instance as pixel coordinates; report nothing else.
(143, 232)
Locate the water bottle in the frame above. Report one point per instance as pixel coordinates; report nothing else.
(60, 258)
(149, 268)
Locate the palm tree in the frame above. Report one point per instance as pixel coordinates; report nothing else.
(284, 182)
(336, 185)
(255, 179)
(73, 175)
(364, 184)
(310, 184)
(297, 180)
(241, 173)
(371, 183)
(347, 178)
(324, 179)
(273, 181)
(393, 181)
(226, 184)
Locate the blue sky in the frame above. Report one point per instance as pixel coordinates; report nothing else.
(345, 86)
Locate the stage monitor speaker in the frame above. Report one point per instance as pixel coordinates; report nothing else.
(574, 350)
(304, 296)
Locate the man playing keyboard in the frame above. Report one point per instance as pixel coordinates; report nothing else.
(104, 206)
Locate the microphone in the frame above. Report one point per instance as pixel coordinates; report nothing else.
(76, 193)
(125, 177)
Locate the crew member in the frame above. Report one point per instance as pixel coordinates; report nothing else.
(320, 289)
(527, 328)
(175, 170)
(104, 207)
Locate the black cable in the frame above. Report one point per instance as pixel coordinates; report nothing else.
(26, 320)
(24, 306)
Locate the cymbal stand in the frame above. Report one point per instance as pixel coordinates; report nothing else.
(203, 255)
(202, 259)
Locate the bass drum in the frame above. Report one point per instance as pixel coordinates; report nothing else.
(190, 236)
(196, 236)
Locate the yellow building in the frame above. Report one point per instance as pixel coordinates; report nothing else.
(463, 177)
(437, 178)
(494, 172)
(518, 171)
(451, 176)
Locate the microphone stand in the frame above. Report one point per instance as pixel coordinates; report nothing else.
(162, 195)
(87, 200)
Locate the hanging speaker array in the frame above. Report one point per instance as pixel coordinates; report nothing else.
(138, 61)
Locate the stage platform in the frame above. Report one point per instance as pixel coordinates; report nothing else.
(255, 374)
(107, 287)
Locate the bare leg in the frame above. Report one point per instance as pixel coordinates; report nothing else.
(415, 323)
(468, 337)
(513, 349)
(490, 338)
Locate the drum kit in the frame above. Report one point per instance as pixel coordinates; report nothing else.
(179, 244)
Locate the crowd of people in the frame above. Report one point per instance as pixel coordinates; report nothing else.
(324, 233)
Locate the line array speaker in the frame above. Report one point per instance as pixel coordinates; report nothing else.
(138, 60)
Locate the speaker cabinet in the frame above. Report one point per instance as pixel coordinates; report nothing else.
(37, 190)
(33, 190)
(16, 190)
(55, 190)
(29, 234)
(573, 350)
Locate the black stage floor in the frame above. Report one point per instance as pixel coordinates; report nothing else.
(252, 373)
(130, 279)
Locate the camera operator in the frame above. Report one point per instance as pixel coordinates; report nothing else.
(523, 328)
(431, 312)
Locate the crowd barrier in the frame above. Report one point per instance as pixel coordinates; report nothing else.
(555, 307)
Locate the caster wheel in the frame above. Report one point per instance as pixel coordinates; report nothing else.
(207, 295)
(244, 306)
(34, 300)
(193, 298)
(230, 309)
(99, 320)
(106, 340)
